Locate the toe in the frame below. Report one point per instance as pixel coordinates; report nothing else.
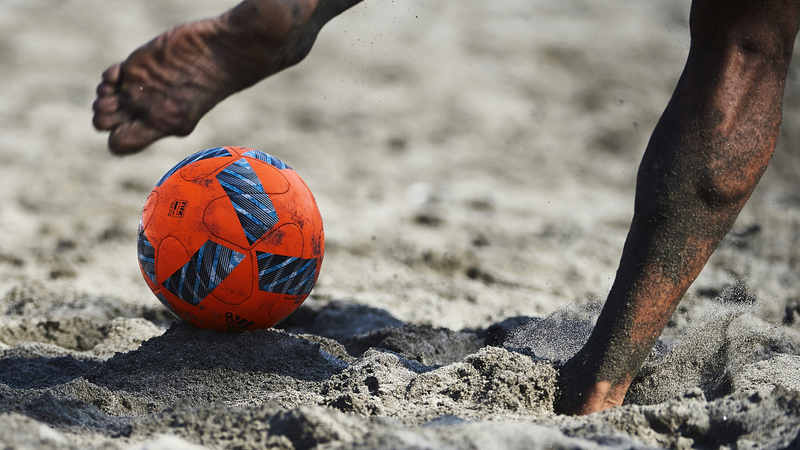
(107, 114)
(105, 104)
(108, 121)
(132, 137)
(111, 75)
(106, 90)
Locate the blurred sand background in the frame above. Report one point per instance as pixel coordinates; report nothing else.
(474, 163)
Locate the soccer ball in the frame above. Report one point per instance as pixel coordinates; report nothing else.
(231, 239)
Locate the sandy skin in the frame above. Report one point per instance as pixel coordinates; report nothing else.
(167, 85)
(703, 161)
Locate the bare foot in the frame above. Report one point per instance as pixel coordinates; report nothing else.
(582, 394)
(168, 84)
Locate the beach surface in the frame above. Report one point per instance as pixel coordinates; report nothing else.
(474, 163)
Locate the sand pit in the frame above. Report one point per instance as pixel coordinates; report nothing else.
(474, 163)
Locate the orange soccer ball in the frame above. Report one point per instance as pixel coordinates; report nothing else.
(231, 239)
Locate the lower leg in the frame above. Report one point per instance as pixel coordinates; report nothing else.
(166, 86)
(703, 161)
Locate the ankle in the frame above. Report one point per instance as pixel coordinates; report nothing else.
(258, 38)
(267, 20)
(756, 30)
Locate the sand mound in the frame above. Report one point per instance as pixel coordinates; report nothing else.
(719, 385)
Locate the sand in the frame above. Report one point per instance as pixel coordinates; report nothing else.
(474, 163)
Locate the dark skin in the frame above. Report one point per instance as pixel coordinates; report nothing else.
(704, 159)
(166, 86)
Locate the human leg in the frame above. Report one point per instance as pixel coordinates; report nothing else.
(165, 87)
(704, 159)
